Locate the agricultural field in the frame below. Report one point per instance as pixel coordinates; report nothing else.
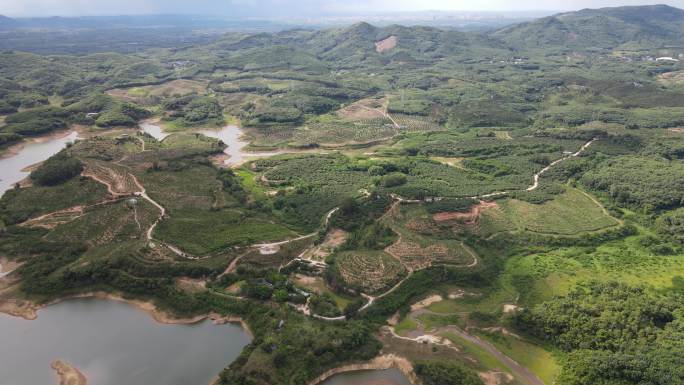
(107, 224)
(369, 271)
(568, 214)
(422, 243)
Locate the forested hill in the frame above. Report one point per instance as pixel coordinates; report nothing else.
(622, 28)
(626, 27)
(641, 28)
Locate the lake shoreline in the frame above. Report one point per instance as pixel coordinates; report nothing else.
(29, 310)
(384, 362)
(15, 149)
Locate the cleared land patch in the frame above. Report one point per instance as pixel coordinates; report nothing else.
(386, 44)
(146, 93)
(420, 244)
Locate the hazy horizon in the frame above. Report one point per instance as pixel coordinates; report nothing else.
(291, 8)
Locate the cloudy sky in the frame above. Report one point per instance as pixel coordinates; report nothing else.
(273, 8)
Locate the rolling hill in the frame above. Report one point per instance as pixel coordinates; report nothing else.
(596, 29)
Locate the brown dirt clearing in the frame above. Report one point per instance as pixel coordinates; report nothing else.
(468, 217)
(386, 44)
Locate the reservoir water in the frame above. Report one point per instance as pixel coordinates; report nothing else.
(369, 377)
(230, 136)
(113, 343)
(153, 130)
(30, 154)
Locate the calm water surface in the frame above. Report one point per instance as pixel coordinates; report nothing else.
(230, 136)
(30, 154)
(369, 377)
(114, 343)
(154, 130)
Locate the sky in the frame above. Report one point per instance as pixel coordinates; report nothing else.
(290, 8)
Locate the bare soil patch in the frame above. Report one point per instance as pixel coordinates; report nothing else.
(426, 302)
(386, 44)
(364, 109)
(469, 217)
(146, 94)
(334, 239)
(671, 78)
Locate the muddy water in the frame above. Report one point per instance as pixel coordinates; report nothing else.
(113, 343)
(31, 153)
(368, 377)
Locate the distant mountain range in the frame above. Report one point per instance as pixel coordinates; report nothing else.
(459, 20)
(638, 26)
(628, 28)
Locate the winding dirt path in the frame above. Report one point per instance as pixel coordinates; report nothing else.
(536, 176)
(555, 162)
(143, 194)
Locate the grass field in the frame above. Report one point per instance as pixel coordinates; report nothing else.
(570, 213)
(626, 260)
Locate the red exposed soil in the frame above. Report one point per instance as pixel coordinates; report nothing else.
(469, 217)
(386, 44)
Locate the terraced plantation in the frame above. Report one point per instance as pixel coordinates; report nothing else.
(489, 207)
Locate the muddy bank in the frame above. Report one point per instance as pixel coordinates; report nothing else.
(68, 375)
(387, 361)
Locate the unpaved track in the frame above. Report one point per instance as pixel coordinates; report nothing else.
(519, 371)
(547, 168)
(275, 245)
(143, 194)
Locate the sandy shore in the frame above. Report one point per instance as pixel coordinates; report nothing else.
(29, 311)
(387, 361)
(68, 375)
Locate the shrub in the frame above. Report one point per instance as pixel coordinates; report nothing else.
(393, 180)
